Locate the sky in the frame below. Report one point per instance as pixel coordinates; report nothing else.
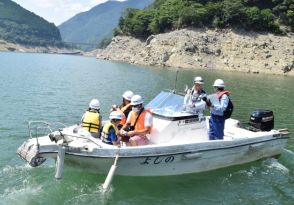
(58, 11)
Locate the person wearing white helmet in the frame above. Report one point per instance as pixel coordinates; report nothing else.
(110, 132)
(194, 95)
(139, 123)
(218, 110)
(125, 107)
(91, 120)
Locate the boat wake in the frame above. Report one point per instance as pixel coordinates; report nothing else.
(96, 196)
(273, 163)
(19, 194)
(6, 170)
(287, 158)
(289, 153)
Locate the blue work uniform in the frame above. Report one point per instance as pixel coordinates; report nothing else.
(217, 120)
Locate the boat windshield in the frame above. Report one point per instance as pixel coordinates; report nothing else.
(168, 104)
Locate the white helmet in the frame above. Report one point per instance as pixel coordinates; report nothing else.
(115, 115)
(199, 80)
(94, 104)
(219, 83)
(136, 100)
(128, 95)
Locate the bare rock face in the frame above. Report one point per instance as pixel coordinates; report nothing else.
(207, 49)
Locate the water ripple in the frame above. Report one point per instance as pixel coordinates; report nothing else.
(59, 88)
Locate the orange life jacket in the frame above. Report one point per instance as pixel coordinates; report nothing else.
(229, 109)
(140, 125)
(220, 94)
(123, 119)
(126, 109)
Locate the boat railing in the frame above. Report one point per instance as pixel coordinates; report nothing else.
(41, 128)
(37, 128)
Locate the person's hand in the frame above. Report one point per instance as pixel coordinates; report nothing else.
(207, 101)
(191, 105)
(119, 138)
(130, 133)
(123, 132)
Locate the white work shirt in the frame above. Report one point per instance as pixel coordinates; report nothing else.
(193, 101)
(218, 109)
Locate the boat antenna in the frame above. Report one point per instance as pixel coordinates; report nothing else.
(175, 88)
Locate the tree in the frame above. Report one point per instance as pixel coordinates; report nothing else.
(166, 15)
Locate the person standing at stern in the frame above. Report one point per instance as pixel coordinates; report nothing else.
(194, 95)
(217, 109)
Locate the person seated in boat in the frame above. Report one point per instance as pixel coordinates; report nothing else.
(91, 120)
(139, 123)
(125, 107)
(110, 132)
(217, 108)
(194, 96)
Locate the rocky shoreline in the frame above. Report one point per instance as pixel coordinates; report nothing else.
(11, 47)
(229, 50)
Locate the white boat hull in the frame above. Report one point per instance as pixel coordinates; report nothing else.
(178, 144)
(169, 160)
(175, 164)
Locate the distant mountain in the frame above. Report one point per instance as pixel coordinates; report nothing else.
(19, 25)
(94, 25)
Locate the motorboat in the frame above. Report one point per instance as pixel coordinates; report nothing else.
(179, 143)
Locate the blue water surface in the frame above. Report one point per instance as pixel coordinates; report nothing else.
(58, 88)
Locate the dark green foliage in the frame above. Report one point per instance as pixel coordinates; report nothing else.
(137, 22)
(104, 43)
(285, 11)
(166, 15)
(18, 25)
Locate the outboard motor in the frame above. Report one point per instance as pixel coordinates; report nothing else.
(262, 120)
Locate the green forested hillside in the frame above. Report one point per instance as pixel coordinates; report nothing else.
(19, 25)
(166, 15)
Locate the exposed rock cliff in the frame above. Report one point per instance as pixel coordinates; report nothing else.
(207, 49)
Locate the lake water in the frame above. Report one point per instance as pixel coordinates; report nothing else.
(59, 88)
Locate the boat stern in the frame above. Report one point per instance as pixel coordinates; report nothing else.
(33, 150)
